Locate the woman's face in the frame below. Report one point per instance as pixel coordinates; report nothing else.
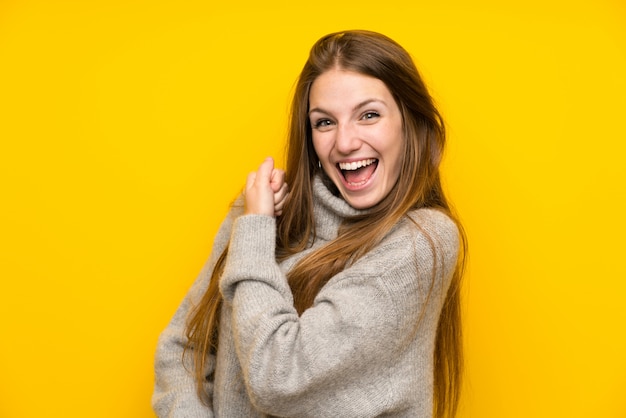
(357, 135)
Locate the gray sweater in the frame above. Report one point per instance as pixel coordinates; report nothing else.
(364, 349)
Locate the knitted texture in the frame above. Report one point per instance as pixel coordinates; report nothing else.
(364, 349)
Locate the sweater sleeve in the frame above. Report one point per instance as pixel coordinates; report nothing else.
(337, 358)
(175, 392)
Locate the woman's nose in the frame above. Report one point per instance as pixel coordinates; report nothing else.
(347, 139)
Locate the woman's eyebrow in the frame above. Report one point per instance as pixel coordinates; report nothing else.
(318, 109)
(366, 102)
(354, 109)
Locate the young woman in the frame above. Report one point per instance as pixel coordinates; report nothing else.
(339, 297)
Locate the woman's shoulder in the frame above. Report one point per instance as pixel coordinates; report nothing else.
(430, 222)
(421, 246)
(425, 233)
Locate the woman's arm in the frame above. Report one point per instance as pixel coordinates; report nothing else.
(175, 388)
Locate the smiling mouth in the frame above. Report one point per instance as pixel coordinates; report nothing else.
(357, 173)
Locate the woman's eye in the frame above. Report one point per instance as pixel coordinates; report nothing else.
(370, 115)
(322, 123)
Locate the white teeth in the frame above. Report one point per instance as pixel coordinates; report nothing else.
(356, 164)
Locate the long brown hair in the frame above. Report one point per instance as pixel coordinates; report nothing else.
(418, 186)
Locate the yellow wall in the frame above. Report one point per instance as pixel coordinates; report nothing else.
(127, 126)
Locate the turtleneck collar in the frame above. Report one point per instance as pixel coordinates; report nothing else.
(329, 210)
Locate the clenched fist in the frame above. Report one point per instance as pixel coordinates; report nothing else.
(266, 190)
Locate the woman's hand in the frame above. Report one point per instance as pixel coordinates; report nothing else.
(266, 190)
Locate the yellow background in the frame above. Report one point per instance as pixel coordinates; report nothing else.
(126, 128)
